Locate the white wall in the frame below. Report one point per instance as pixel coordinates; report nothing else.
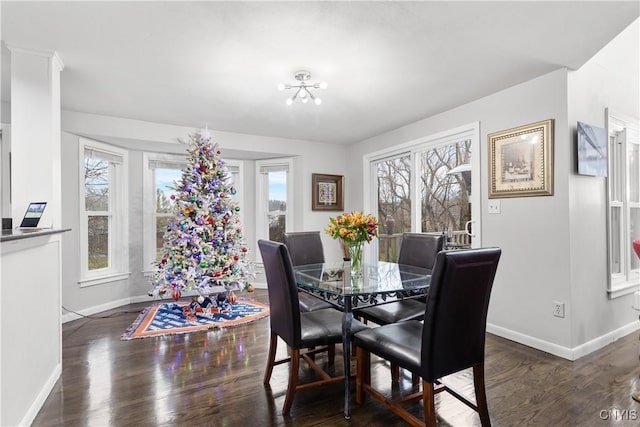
(609, 80)
(554, 248)
(533, 232)
(309, 157)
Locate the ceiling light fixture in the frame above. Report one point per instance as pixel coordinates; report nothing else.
(303, 87)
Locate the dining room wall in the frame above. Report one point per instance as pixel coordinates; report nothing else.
(609, 80)
(138, 137)
(533, 232)
(554, 247)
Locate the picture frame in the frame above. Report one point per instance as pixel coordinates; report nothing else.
(521, 161)
(592, 148)
(327, 192)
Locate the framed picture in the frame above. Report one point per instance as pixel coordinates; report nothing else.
(326, 192)
(592, 150)
(521, 161)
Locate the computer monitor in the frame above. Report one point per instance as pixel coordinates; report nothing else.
(33, 214)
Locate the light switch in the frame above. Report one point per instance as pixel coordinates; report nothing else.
(494, 206)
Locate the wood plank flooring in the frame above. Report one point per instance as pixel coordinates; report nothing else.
(215, 379)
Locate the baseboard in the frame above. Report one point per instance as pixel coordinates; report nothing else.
(37, 404)
(68, 317)
(561, 351)
(604, 340)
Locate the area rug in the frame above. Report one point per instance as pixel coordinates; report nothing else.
(169, 318)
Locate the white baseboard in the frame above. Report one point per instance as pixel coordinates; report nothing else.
(37, 404)
(68, 317)
(561, 351)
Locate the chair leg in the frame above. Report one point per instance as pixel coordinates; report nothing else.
(428, 401)
(363, 373)
(481, 395)
(331, 354)
(415, 380)
(395, 373)
(271, 358)
(294, 367)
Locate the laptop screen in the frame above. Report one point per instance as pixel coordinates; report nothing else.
(33, 214)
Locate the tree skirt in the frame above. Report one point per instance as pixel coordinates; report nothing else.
(169, 318)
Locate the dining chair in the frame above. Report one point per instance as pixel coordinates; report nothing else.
(451, 338)
(319, 329)
(418, 250)
(305, 247)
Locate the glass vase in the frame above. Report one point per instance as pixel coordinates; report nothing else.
(355, 253)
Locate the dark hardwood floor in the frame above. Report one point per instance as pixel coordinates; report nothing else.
(215, 379)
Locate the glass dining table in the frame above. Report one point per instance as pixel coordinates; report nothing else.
(378, 283)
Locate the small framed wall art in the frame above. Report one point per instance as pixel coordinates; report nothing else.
(592, 150)
(521, 161)
(327, 192)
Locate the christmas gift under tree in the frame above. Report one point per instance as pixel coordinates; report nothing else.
(203, 246)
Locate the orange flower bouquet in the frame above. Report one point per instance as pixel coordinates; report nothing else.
(354, 229)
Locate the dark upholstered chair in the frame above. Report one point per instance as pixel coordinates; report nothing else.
(305, 247)
(419, 250)
(298, 330)
(451, 338)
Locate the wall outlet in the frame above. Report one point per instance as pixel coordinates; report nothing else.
(493, 207)
(558, 309)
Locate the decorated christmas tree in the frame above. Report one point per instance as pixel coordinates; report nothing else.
(203, 247)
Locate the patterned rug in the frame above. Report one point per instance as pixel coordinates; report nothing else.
(169, 318)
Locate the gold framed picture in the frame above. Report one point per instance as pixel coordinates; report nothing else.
(327, 192)
(521, 161)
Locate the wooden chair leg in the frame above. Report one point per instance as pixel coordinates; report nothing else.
(428, 401)
(395, 373)
(271, 358)
(363, 373)
(294, 367)
(331, 354)
(481, 395)
(415, 380)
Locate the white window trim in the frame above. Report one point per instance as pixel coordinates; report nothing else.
(626, 282)
(119, 241)
(262, 202)
(148, 195)
(148, 205)
(469, 131)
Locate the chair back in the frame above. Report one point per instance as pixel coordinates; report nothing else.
(453, 335)
(305, 247)
(283, 291)
(420, 249)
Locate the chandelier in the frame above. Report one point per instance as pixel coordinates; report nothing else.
(302, 88)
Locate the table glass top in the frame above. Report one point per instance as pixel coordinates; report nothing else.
(378, 278)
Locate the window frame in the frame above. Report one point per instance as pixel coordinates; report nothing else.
(149, 207)
(118, 244)
(626, 281)
(262, 196)
(413, 148)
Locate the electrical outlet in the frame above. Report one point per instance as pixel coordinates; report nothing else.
(558, 309)
(494, 207)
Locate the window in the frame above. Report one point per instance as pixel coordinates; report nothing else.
(160, 173)
(274, 215)
(425, 186)
(624, 203)
(103, 213)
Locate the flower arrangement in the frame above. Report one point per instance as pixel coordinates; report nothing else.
(354, 229)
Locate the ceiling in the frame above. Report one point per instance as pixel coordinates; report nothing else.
(387, 64)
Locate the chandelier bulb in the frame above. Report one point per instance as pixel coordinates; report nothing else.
(289, 101)
(281, 87)
(323, 85)
(318, 101)
(305, 99)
